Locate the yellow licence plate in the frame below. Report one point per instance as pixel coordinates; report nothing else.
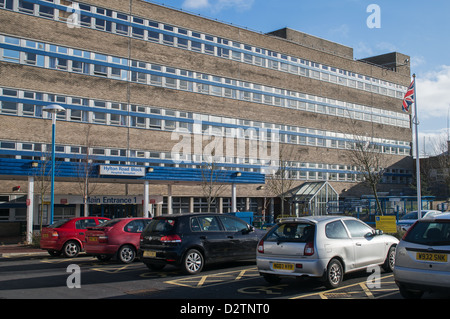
(44, 235)
(442, 258)
(281, 266)
(149, 253)
(92, 238)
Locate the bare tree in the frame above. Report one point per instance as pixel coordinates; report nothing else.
(367, 156)
(279, 182)
(85, 171)
(211, 176)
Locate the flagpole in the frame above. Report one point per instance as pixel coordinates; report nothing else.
(416, 123)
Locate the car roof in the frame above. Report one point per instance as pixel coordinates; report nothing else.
(445, 215)
(186, 214)
(315, 219)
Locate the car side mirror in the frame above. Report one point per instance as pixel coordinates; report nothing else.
(248, 230)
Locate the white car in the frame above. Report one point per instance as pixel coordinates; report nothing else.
(323, 247)
(422, 260)
(409, 219)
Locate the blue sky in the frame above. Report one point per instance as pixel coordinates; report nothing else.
(417, 28)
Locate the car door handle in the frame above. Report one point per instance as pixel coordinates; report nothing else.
(203, 237)
(81, 233)
(358, 244)
(231, 237)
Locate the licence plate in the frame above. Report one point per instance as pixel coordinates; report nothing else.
(149, 253)
(93, 239)
(44, 235)
(281, 266)
(442, 258)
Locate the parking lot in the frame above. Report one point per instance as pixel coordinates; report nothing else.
(48, 277)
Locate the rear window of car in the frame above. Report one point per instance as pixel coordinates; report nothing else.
(291, 232)
(58, 223)
(161, 225)
(433, 233)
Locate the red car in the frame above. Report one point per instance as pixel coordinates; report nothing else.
(67, 236)
(116, 238)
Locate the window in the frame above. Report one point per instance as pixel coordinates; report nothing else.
(9, 107)
(336, 230)
(100, 70)
(357, 229)
(11, 55)
(205, 223)
(85, 223)
(46, 12)
(58, 63)
(25, 6)
(291, 232)
(232, 224)
(135, 226)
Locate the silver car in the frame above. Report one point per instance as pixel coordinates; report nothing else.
(422, 257)
(324, 247)
(407, 220)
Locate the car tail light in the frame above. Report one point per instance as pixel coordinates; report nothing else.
(261, 247)
(103, 239)
(171, 239)
(55, 234)
(409, 229)
(309, 249)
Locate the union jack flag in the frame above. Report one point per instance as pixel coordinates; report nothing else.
(409, 97)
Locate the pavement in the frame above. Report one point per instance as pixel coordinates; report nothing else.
(15, 248)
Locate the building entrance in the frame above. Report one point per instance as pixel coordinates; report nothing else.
(113, 211)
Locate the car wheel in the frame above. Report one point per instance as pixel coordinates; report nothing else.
(193, 262)
(334, 274)
(389, 263)
(71, 249)
(127, 254)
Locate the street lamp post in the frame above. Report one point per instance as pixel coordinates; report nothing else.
(53, 109)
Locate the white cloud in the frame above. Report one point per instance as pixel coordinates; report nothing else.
(433, 107)
(195, 4)
(433, 93)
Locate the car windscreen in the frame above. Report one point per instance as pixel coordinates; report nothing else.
(412, 215)
(161, 225)
(436, 233)
(291, 232)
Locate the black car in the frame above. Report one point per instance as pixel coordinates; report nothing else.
(191, 240)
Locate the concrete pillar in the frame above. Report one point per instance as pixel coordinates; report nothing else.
(169, 199)
(146, 200)
(233, 198)
(30, 209)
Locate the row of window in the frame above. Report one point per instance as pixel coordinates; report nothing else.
(295, 170)
(78, 109)
(61, 58)
(123, 24)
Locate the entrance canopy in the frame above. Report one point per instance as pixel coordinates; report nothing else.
(312, 198)
(103, 173)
